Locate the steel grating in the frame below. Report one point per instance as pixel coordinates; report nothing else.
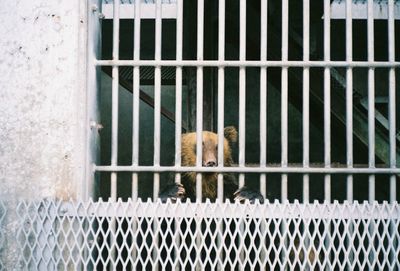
(55, 235)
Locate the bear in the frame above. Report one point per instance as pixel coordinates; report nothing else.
(187, 187)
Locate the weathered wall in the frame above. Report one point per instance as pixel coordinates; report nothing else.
(41, 99)
(42, 104)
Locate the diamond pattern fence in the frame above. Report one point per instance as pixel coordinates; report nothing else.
(56, 235)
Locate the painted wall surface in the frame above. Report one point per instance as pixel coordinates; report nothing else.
(42, 104)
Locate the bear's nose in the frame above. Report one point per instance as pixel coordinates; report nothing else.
(211, 164)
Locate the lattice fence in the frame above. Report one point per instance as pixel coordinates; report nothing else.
(139, 235)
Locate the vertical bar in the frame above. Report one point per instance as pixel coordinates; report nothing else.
(135, 118)
(199, 96)
(371, 116)
(327, 117)
(178, 116)
(284, 99)
(349, 99)
(157, 124)
(221, 95)
(242, 116)
(221, 138)
(199, 121)
(392, 120)
(263, 96)
(284, 125)
(306, 113)
(135, 95)
(178, 82)
(306, 99)
(157, 101)
(114, 129)
(327, 99)
(114, 112)
(371, 100)
(263, 114)
(242, 90)
(392, 99)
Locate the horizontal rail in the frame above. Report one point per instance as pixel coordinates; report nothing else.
(276, 209)
(249, 63)
(267, 169)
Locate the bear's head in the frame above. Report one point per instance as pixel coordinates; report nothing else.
(210, 148)
(209, 159)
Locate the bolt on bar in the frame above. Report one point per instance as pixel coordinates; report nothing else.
(178, 92)
(392, 99)
(157, 101)
(327, 99)
(136, 104)
(242, 90)
(263, 96)
(114, 100)
(221, 96)
(349, 99)
(284, 99)
(371, 99)
(306, 99)
(199, 96)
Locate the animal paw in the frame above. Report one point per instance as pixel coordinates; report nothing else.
(173, 192)
(244, 193)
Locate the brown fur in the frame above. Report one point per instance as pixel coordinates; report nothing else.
(210, 139)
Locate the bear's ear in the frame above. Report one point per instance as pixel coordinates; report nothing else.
(230, 134)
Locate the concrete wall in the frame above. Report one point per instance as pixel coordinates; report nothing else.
(42, 105)
(42, 98)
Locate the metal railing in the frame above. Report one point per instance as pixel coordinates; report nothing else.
(54, 235)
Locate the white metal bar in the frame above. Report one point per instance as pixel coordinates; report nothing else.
(135, 118)
(114, 128)
(392, 99)
(284, 124)
(114, 98)
(271, 210)
(242, 90)
(157, 123)
(199, 96)
(371, 100)
(242, 116)
(263, 96)
(221, 95)
(349, 99)
(371, 114)
(268, 169)
(251, 63)
(327, 99)
(136, 104)
(221, 137)
(157, 100)
(306, 99)
(178, 82)
(178, 114)
(284, 98)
